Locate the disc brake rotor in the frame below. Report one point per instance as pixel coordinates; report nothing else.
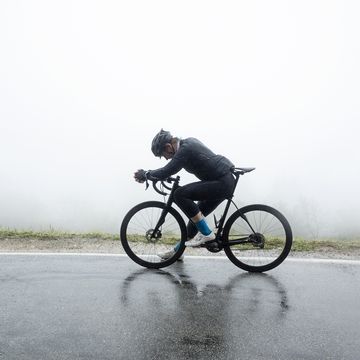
(152, 236)
(258, 240)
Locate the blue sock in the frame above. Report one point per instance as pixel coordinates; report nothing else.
(203, 227)
(177, 245)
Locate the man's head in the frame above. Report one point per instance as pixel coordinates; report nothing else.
(162, 145)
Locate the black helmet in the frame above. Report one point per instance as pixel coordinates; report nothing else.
(159, 141)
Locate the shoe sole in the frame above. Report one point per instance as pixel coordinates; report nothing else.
(199, 244)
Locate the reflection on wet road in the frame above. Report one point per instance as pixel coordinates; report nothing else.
(67, 307)
(208, 318)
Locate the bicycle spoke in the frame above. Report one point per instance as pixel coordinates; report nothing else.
(143, 240)
(265, 246)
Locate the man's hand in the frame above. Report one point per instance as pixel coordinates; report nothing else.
(140, 175)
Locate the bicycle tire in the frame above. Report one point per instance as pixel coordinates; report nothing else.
(145, 216)
(274, 247)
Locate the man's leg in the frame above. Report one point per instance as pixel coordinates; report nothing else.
(209, 195)
(206, 207)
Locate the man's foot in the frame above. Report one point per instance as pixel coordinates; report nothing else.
(200, 239)
(169, 254)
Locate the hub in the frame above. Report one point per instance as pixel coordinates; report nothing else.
(153, 236)
(258, 240)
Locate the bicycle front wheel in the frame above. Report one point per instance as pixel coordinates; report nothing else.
(257, 238)
(147, 247)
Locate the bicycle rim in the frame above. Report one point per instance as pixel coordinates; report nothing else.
(270, 232)
(137, 228)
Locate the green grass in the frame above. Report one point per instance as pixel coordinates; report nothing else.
(299, 244)
(310, 245)
(53, 235)
(167, 239)
(325, 244)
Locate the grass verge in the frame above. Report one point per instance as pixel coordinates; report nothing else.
(299, 244)
(54, 235)
(326, 244)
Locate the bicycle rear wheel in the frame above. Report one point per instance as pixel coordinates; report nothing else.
(257, 238)
(138, 238)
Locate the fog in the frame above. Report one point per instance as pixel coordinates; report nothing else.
(85, 85)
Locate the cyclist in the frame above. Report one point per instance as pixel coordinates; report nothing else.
(197, 199)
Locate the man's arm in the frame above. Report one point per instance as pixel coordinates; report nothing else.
(173, 167)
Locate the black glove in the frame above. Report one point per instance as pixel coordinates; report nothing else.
(140, 175)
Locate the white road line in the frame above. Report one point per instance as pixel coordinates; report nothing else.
(191, 257)
(60, 254)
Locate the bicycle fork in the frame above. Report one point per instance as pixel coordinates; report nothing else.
(155, 233)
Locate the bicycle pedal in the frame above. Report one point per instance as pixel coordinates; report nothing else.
(213, 247)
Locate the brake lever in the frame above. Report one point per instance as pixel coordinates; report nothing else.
(165, 186)
(154, 182)
(157, 190)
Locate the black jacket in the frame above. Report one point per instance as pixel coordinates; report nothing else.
(197, 159)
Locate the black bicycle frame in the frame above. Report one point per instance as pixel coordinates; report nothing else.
(219, 225)
(222, 220)
(167, 207)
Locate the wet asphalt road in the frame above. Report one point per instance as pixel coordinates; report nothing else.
(99, 307)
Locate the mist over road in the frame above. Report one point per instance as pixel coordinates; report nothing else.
(85, 86)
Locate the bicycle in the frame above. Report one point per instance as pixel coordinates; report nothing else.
(256, 238)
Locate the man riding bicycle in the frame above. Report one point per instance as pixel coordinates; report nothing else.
(197, 199)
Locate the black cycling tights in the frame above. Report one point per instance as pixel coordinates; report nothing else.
(208, 194)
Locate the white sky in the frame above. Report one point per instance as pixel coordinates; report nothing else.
(85, 85)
